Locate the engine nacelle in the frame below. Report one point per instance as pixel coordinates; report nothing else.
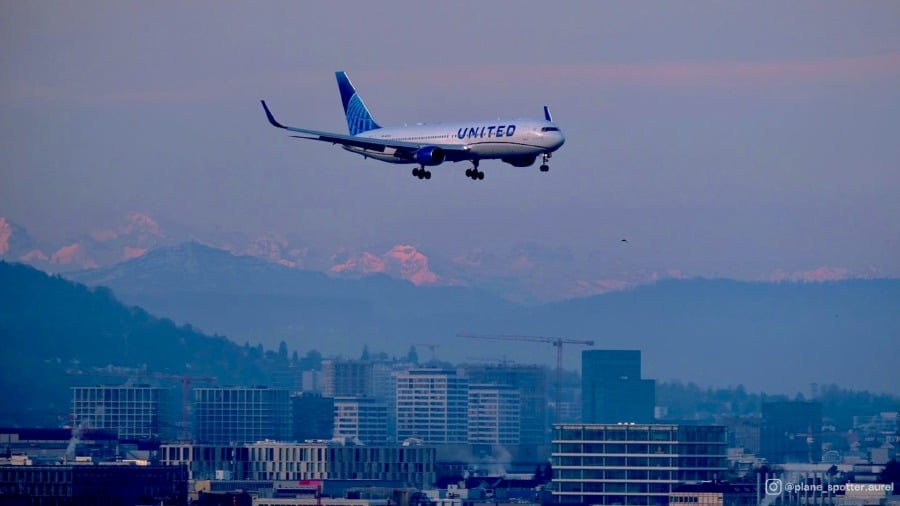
(430, 155)
(520, 161)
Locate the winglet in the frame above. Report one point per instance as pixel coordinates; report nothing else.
(270, 116)
(546, 113)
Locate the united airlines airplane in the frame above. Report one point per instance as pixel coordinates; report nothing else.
(517, 142)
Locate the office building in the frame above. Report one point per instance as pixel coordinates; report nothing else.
(130, 411)
(612, 390)
(313, 416)
(347, 378)
(633, 464)
(360, 419)
(791, 431)
(241, 414)
(714, 494)
(432, 406)
(52, 446)
(101, 484)
(412, 466)
(531, 382)
(494, 414)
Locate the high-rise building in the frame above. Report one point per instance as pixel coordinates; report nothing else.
(432, 405)
(362, 419)
(612, 390)
(347, 378)
(494, 412)
(241, 414)
(791, 431)
(130, 411)
(633, 464)
(313, 416)
(531, 382)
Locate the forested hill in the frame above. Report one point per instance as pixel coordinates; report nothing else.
(55, 333)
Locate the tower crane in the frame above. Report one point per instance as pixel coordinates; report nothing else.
(555, 341)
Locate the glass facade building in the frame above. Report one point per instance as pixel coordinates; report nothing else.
(130, 411)
(241, 414)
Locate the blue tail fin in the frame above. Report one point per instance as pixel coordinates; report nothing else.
(359, 119)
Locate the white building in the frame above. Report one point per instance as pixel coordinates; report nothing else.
(362, 419)
(432, 405)
(494, 414)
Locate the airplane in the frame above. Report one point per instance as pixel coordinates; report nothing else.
(517, 142)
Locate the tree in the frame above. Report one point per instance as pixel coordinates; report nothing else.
(282, 352)
(312, 361)
(412, 356)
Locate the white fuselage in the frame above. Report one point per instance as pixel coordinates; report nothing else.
(518, 138)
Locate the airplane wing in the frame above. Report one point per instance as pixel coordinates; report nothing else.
(453, 152)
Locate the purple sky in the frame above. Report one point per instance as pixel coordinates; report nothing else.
(721, 138)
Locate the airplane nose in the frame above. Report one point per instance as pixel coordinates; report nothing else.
(560, 140)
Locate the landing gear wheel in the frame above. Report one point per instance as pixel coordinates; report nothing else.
(469, 173)
(427, 174)
(480, 175)
(545, 158)
(416, 173)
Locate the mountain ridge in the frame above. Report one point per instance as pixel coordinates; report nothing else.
(774, 334)
(526, 273)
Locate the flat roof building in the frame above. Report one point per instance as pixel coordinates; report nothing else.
(432, 406)
(241, 414)
(494, 414)
(633, 464)
(612, 390)
(362, 419)
(412, 466)
(130, 411)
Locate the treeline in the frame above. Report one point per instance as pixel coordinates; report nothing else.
(57, 334)
(688, 401)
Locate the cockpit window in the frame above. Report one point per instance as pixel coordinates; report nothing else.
(549, 129)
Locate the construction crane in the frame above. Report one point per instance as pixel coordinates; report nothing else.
(555, 341)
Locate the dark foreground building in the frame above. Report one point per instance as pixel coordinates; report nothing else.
(93, 485)
(791, 431)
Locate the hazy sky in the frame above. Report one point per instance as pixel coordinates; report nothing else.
(721, 138)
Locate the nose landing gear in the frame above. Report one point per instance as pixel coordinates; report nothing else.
(544, 159)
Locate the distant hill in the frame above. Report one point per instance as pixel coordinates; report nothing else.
(774, 337)
(54, 331)
(250, 299)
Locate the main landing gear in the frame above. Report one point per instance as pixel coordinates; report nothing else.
(474, 174)
(421, 173)
(545, 159)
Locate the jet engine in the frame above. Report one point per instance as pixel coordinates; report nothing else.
(430, 155)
